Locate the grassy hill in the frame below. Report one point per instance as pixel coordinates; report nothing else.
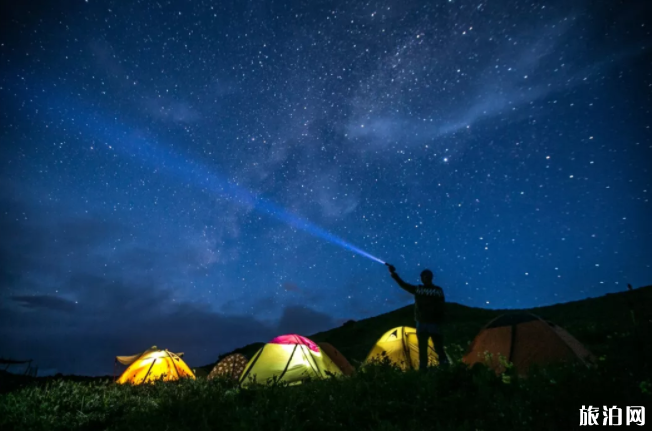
(596, 322)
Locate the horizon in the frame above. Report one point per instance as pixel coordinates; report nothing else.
(53, 372)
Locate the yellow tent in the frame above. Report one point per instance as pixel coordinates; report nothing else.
(288, 359)
(401, 346)
(153, 364)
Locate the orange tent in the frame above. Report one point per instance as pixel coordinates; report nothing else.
(231, 367)
(524, 340)
(338, 358)
(153, 364)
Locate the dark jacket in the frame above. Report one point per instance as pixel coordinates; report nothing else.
(429, 301)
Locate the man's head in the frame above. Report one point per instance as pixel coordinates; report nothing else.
(426, 276)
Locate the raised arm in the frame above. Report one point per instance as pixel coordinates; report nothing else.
(405, 286)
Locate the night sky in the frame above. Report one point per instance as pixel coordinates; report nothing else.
(178, 173)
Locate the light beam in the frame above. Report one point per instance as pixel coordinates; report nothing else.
(136, 145)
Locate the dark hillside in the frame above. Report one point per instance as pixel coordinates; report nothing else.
(356, 339)
(596, 322)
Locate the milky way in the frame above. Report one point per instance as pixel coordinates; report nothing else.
(180, 173)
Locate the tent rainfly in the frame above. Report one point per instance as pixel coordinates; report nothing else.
(338, 358)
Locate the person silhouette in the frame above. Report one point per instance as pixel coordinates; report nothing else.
(429, 307)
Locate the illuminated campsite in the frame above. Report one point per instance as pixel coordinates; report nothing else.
(518, 357)
(325, 215)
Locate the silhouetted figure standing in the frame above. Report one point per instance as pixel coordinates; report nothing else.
(429, 305)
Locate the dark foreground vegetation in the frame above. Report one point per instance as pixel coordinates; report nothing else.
(379, 397)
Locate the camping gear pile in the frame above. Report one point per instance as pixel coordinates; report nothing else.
(521, 339)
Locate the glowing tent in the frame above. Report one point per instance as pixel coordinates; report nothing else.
(401, 346)
(524, 340)
(153, 364)
(231, 367)
(288, 359)
(339, 359)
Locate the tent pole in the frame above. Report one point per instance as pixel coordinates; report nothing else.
(149, 370)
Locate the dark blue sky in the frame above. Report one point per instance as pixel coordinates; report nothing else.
(149, 147)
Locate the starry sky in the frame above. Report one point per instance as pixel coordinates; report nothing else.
(189, 173)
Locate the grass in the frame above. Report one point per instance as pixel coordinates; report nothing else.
(378, 397)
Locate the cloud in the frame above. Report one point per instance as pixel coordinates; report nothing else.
(159, 106)
(504, 78)
(322, 192)
(92, 344)
(85, 231)
(336, 205)
(40, 244)
(129, 319)
(302, 320)
(45, 302)
(291, 287)
(174, 110)
(115, 317)
(45, 246)
(117, 300)
(106, 58)
(382, 129)
(224, 86)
